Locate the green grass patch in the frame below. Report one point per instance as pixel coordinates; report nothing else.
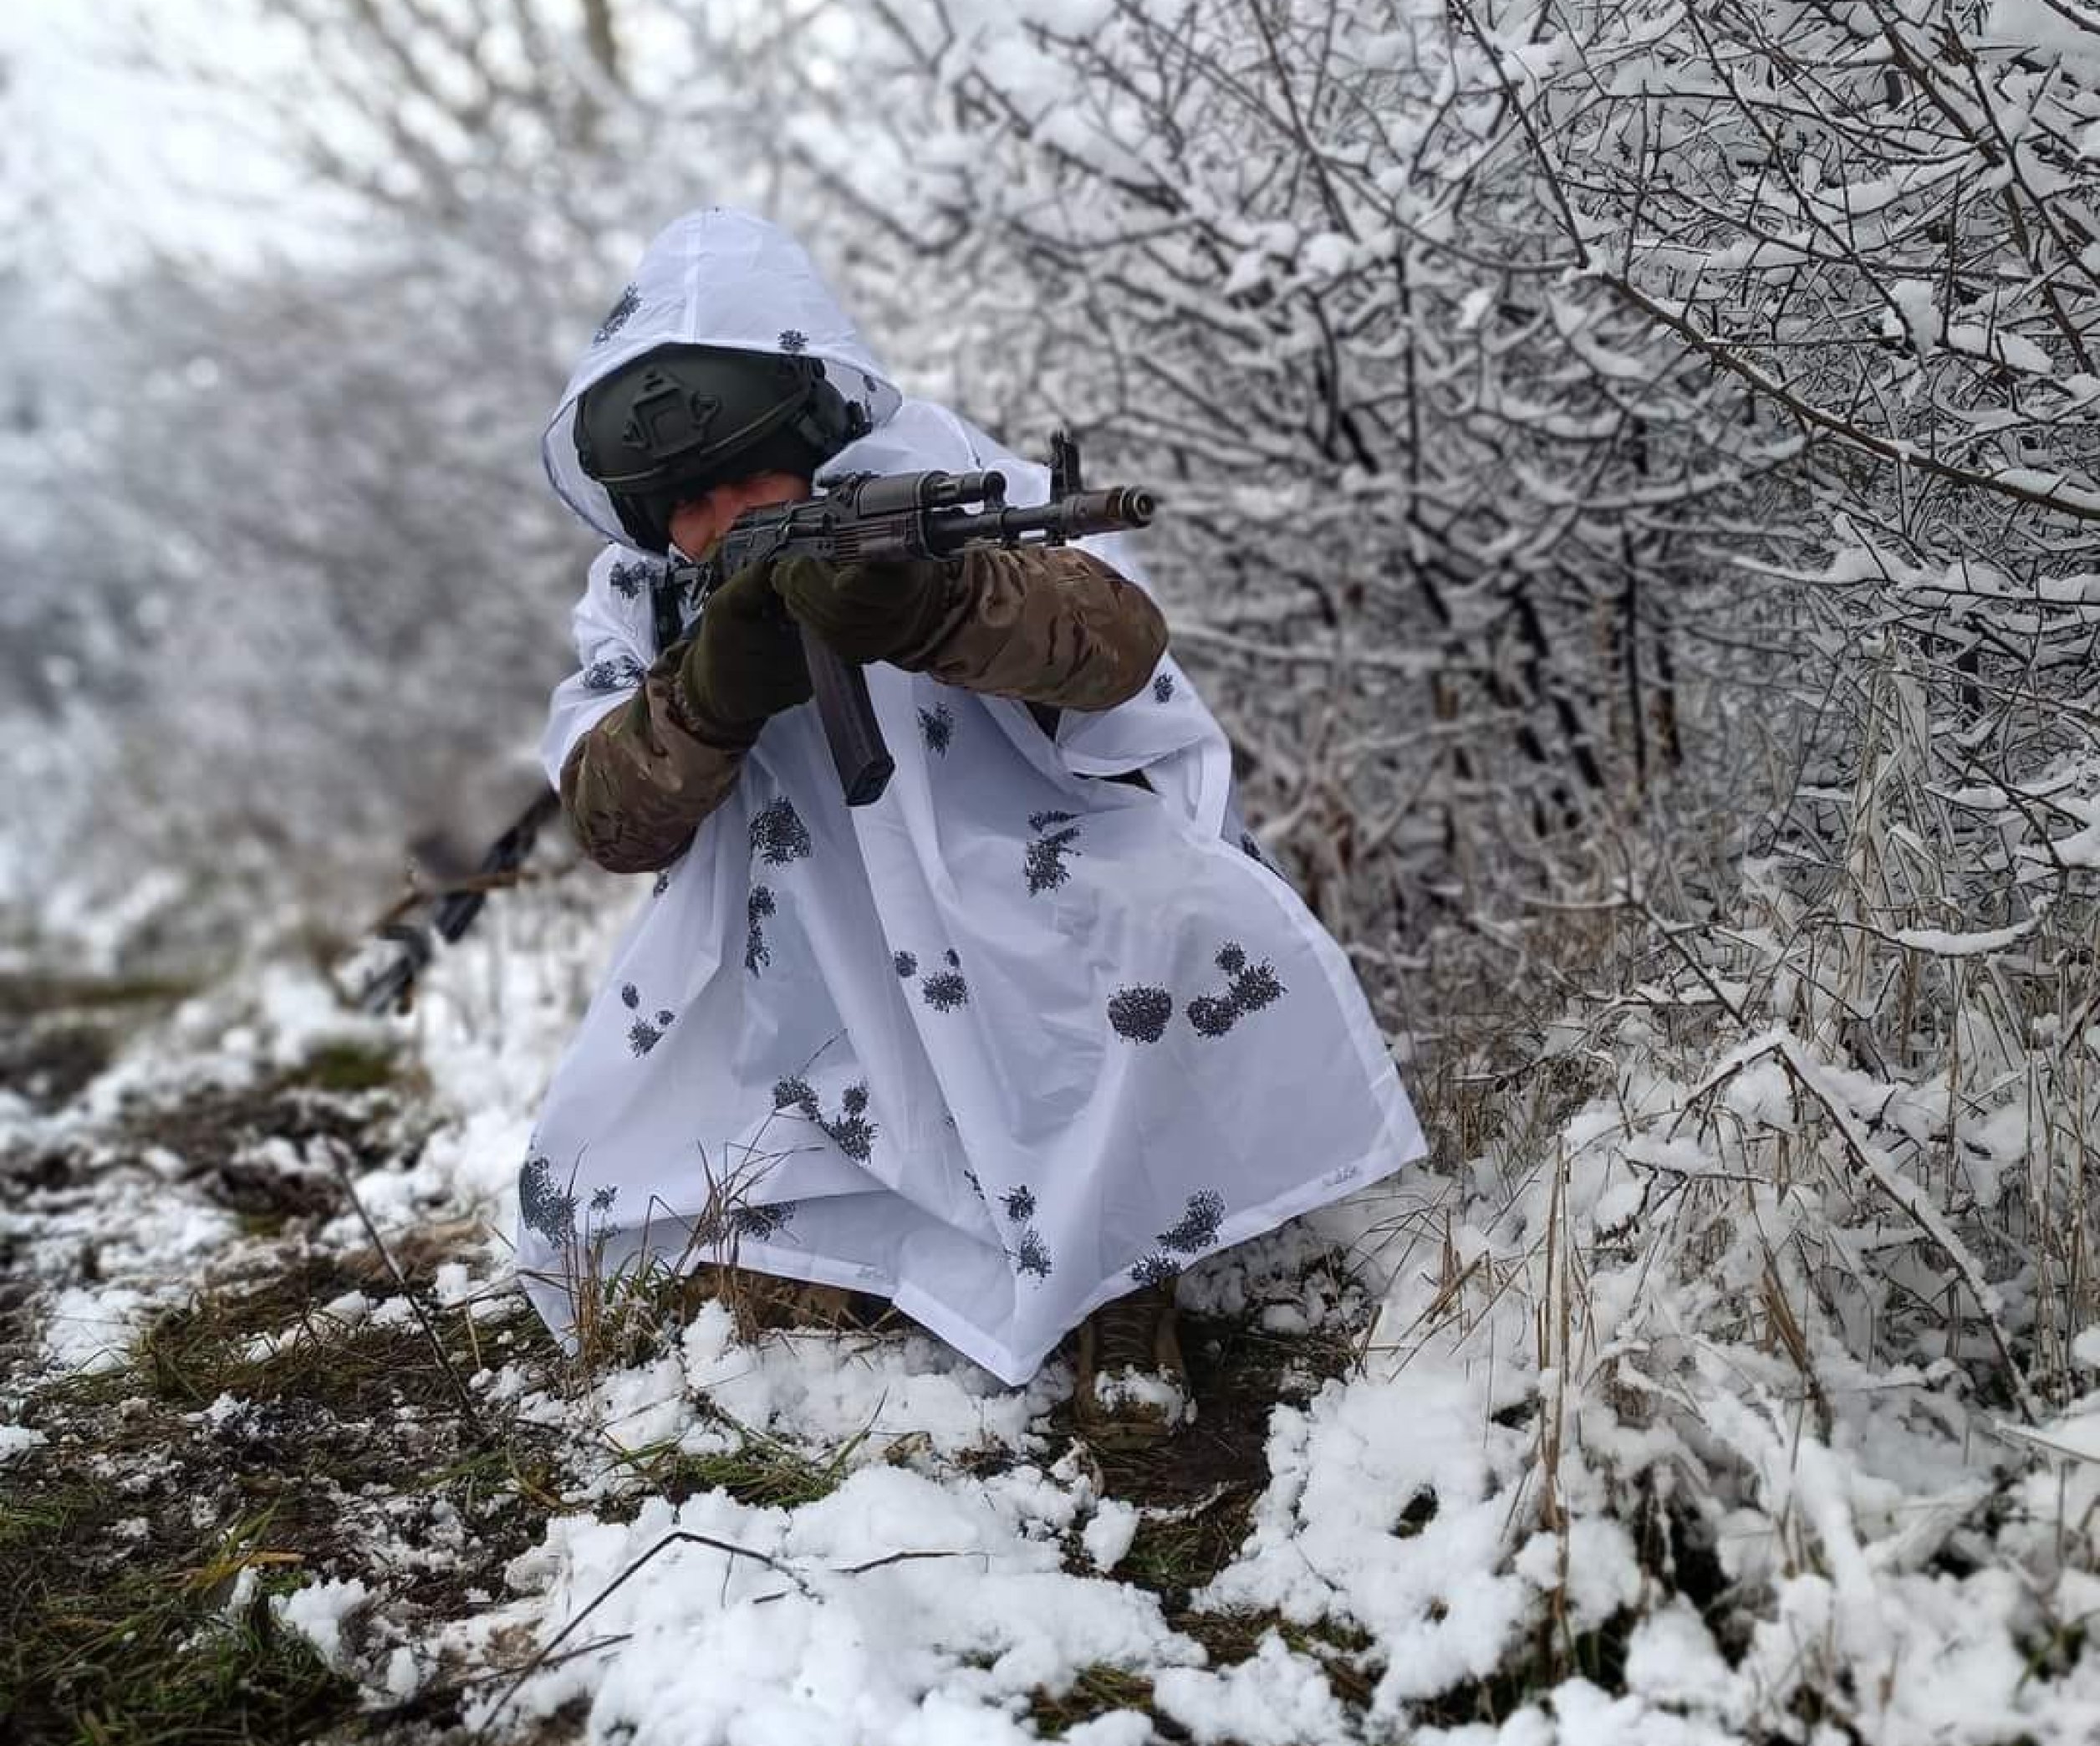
(1174, 1558)
(761, 1471)
(346, 1065)
(192, 1356)
(114, 1629)
(29, 1517)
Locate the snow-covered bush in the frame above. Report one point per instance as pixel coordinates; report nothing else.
(1762, 1388)
(1444, 514)
(1560, 407)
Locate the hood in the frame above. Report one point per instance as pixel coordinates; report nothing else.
(716, 276)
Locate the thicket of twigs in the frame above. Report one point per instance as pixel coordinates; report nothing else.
(1636, 468)
(1637, 462)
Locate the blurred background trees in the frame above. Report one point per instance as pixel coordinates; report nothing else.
(1566, 411)
(304, 523)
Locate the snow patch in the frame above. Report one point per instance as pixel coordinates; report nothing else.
(896, 1610)
(320, 1612)
(828, 1388)
(18, 1439)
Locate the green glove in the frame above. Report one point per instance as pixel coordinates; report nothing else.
(745, 663)
(884, 610)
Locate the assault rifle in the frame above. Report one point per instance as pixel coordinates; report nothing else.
(865, 518)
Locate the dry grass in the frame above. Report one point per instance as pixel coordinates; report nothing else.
(253, 1436)
(117, 1629)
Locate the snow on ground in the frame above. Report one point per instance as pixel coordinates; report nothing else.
(825, 1389)
(900, 1607)
(1649, 1443)
(15, 1439)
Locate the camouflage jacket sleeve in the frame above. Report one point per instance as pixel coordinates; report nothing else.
(638, 784)
(1048, 625)
(1054, 626)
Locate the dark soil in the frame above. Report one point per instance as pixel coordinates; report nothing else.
(56, 1035)
(1209, 1476)
(48, 1063)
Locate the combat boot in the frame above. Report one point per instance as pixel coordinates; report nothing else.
(1133, 1387)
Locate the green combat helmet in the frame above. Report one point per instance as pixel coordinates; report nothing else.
(667, 426)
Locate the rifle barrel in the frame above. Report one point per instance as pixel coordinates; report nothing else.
(1074, 517)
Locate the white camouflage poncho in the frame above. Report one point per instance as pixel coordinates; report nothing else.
(1000, 1046)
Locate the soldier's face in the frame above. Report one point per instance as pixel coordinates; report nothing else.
(697, 525)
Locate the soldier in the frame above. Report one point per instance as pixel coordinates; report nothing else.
(1010, 1046)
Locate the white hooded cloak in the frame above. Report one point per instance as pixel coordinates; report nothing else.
(1001, 1046)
